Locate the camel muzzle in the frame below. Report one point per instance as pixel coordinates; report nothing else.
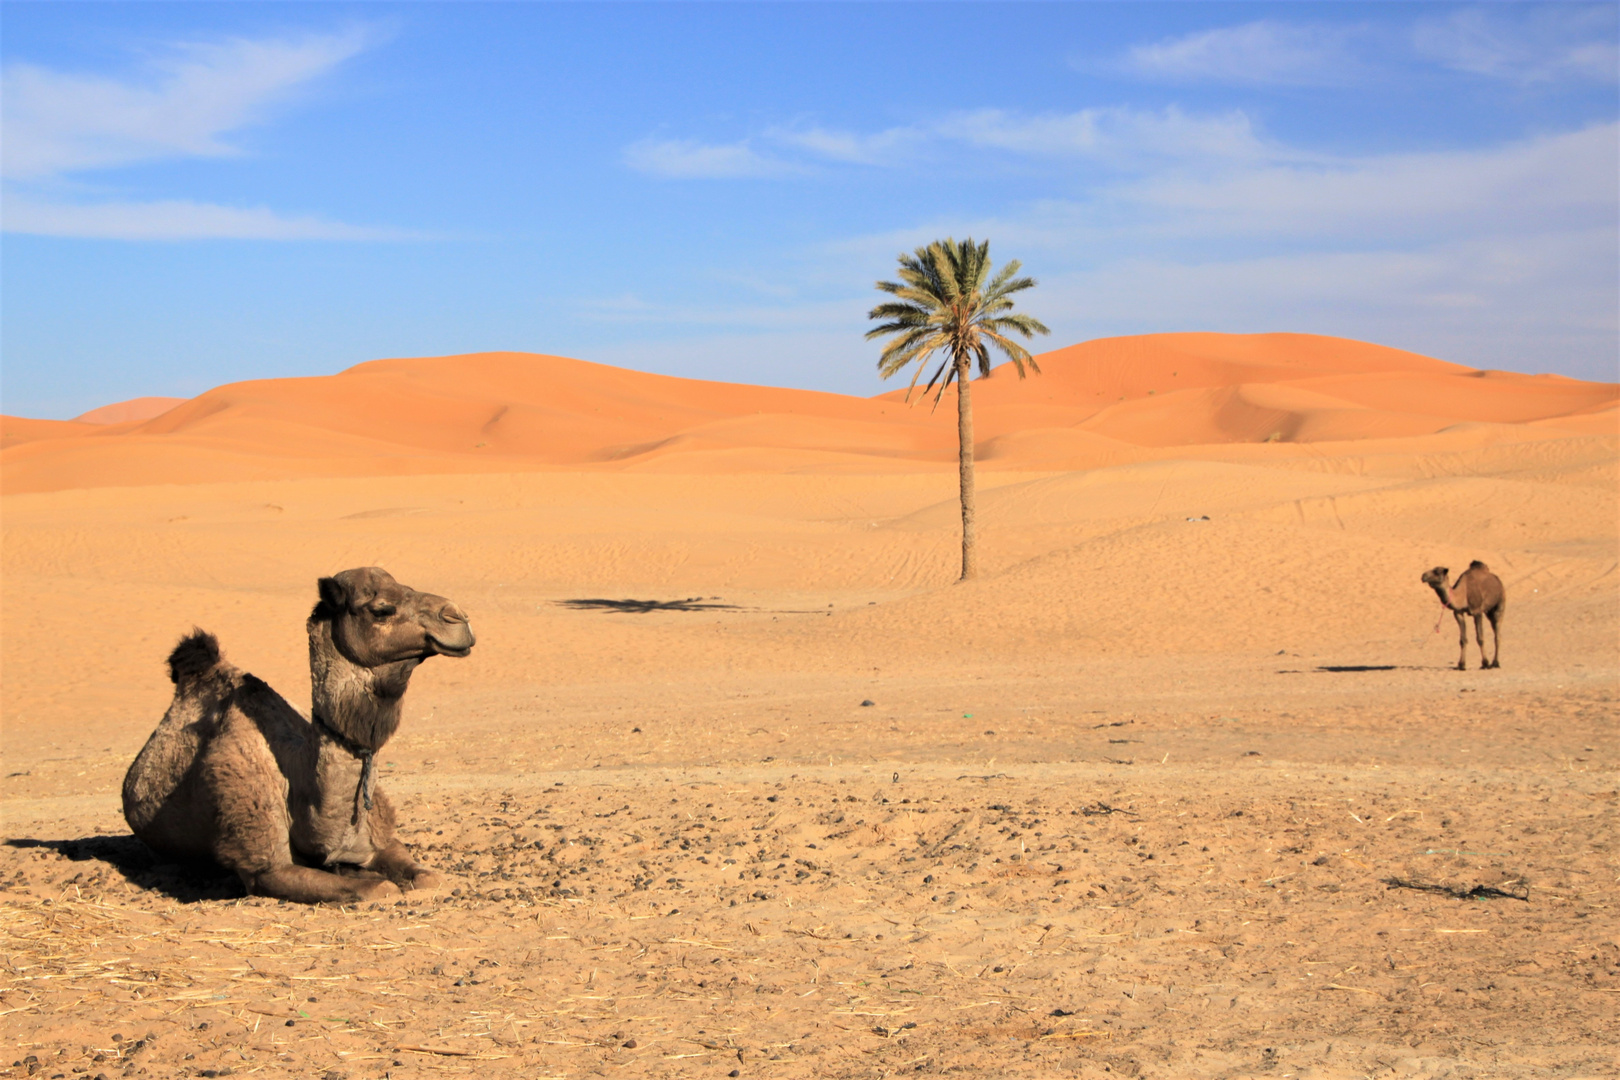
(441, 648)
(453, 635)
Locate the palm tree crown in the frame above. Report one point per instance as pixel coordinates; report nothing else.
(945, 304)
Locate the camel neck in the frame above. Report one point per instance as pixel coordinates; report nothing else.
(1445, 595)
(368, 764)
(361, 705)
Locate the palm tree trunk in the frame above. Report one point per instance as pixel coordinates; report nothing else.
(964, 458)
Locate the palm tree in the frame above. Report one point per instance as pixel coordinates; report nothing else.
(945, 303)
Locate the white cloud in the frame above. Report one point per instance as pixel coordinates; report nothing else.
(1547, 43)
(1539, 43)
(60, 122)
(174, 220)
(1554, 182)
(186, 104)
(1263, 53)
(684, 159)
(888, 147)
(1117, 133)
(1118, 136)
(1521, 187)
(793, 151)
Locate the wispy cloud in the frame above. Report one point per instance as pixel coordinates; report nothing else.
(1547, 43)
(1263, 53)
(775, 151)
(175, 219)
(1545, 182)
(686, 159)
(62, 122)
(60, 126)
(886, 147)
(1541, 43)
(1115, 135)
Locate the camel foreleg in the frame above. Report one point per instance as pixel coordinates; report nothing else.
(394, 862)
(308, 885)
(1462, 642)
(1496, 639)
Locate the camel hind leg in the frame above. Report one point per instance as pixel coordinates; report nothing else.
(1495, 615)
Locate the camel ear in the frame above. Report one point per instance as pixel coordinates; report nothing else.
(334, 594)
(352, 589)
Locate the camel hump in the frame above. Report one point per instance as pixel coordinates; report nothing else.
(195, 656)
(1477, 565)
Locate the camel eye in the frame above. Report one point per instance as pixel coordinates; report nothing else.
(382, 611)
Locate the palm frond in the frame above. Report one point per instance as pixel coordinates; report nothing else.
(942, 271)
(941, 370)
(1014, 352)
(1027, 325)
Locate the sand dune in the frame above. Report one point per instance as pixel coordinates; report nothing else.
(135, 409)
(1100, 402)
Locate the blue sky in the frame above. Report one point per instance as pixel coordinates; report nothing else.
(196, 194)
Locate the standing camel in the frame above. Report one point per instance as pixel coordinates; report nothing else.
(234, 773)
(1479, 593)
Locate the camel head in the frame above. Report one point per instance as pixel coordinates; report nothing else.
(377, 621)
(1436, 579)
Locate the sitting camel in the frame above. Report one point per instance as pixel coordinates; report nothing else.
(1477, 592)
(236, 775)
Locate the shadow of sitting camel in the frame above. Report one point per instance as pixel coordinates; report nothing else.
(186, 882)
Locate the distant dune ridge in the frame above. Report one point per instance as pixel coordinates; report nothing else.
(1098, 403)
(141, 408)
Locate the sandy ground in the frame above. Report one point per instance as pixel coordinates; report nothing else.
(1154, 797)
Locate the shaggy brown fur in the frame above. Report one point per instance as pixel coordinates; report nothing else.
(236, 775)
(1479, 593)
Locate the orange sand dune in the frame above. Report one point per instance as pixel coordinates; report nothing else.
(16, 430)
(1100, 402)
(1094, 373)
(141, 408)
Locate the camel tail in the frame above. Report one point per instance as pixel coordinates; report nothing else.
(196, 656)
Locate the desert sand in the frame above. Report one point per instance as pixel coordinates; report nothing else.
(1185, 785)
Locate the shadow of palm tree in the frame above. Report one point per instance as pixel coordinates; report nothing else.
(186, 882)
(642, 607)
